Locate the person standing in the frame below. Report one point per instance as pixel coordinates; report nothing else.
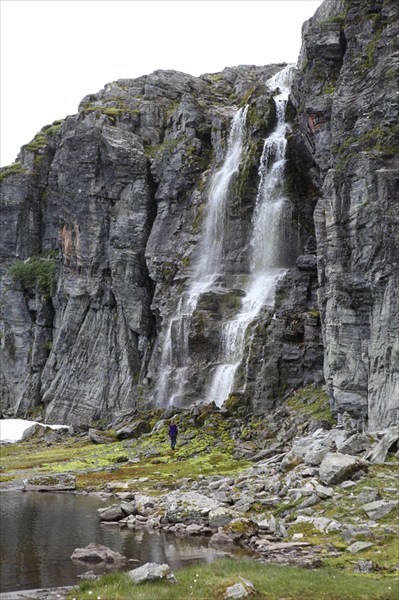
(173, 434)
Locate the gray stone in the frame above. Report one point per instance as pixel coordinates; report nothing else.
(133, 429)
(152, 572)
(189, 507)
(96, 553)
(242, 589)
(111, 513)
(379, 453)
(357, 443)
(379, 509)
(364, 566)
(97, 437)
(337, 467)
(367, 496)
(323, 491)
(221, 516)
(358, 547)
(307, 262)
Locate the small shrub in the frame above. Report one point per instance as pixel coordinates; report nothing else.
(37, 274)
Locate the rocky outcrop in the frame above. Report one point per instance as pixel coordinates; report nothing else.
(50, 483)
(115, 197)
(347, 138)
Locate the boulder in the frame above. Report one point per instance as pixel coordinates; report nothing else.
(307, 262)
(96, 553)
(379, 453)
(242, 589)
(221, 516)
(152, 572)
(111, 513)
(241, 528)
(189, 507)
(134, 429)
(50, 483)
(355, 444)
(336, 467)
(221, 538)
(98, 437)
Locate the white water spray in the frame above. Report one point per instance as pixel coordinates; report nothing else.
(207, 267)
(271, 211)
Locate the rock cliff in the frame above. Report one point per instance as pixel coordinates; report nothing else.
(102, 215)
(346, 95)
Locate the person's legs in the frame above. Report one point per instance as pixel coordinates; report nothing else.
(173, 441)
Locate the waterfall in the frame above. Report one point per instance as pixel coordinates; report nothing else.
(271, 217)
(207, 266)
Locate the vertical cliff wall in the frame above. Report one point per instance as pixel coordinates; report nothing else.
(347, 139)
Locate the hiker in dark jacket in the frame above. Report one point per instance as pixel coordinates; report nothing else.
(173, 434)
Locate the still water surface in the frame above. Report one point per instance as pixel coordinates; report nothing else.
(39, 532)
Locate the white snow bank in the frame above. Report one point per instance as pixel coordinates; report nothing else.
(11, 430)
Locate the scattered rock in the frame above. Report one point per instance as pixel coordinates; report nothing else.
(380, 508)
(221, 516)
(98, 437)
(364, 566)
(152, 572)
(358, 547)
(96, 553)
(243, 589)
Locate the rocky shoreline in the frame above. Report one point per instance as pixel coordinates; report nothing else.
(304, 499)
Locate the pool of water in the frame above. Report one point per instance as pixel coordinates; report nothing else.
(39, 532)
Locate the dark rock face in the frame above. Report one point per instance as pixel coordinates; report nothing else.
(348, 140)
(103, 212)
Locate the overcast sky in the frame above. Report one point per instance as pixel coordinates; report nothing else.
(54, 52)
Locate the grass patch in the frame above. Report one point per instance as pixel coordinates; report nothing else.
(200, 451)
(313, 402)
(13, 169)
(271, 582)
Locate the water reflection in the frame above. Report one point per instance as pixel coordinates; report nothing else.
(39, 532)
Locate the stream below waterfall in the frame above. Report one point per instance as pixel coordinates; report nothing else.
(39, 532)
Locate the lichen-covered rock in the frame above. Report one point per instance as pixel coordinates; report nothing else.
(50, 483)
(189, 507)
(152, 572)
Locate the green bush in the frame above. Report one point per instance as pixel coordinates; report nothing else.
(37, 274)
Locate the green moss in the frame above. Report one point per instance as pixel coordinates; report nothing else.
(216, 77)
(312, 401)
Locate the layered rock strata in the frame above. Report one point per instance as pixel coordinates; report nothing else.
(347, 137)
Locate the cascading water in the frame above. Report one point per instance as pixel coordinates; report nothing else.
(207, 267)
(270, 219)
